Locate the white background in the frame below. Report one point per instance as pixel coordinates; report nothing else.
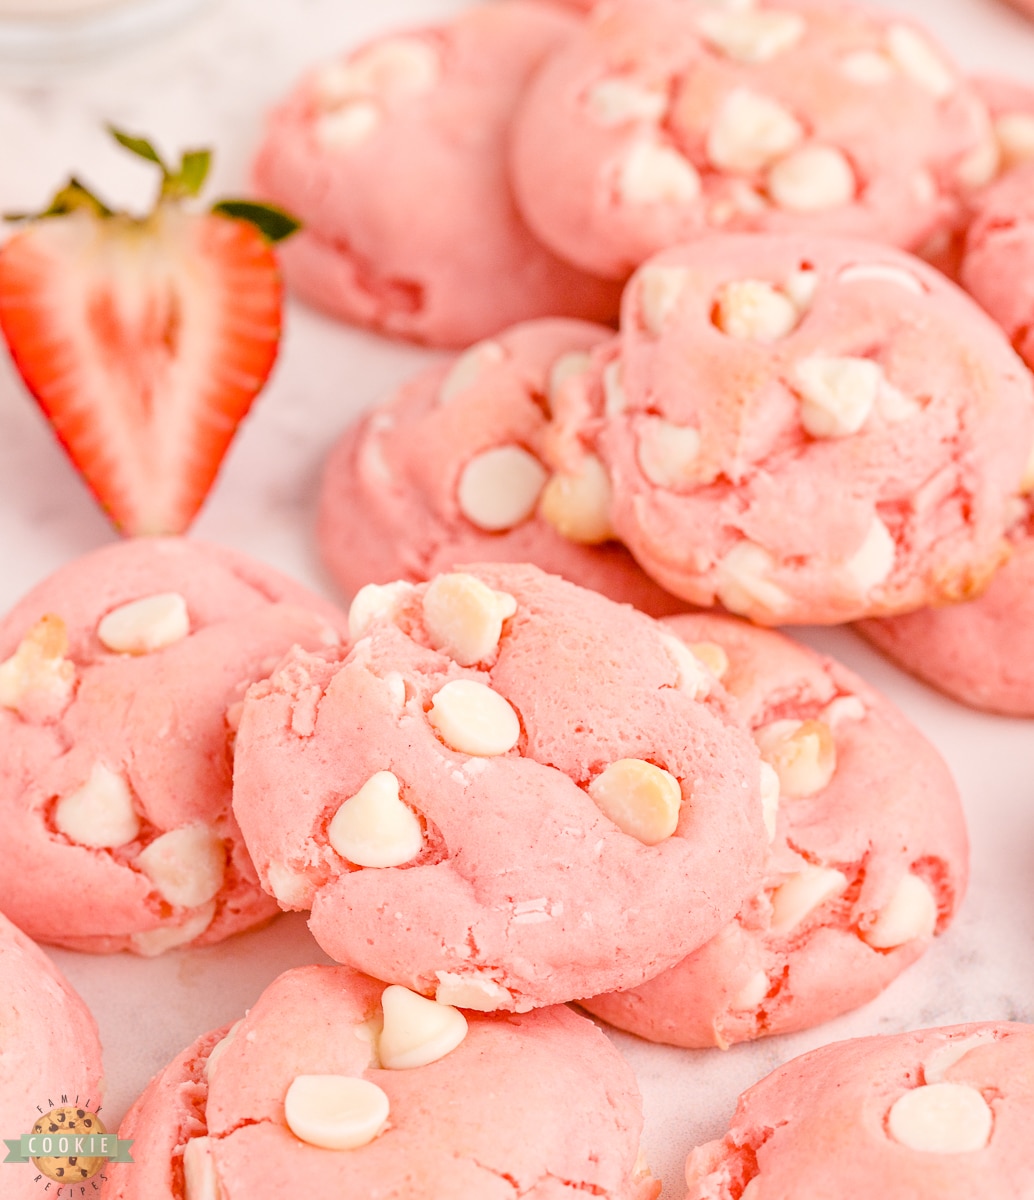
(208, 83)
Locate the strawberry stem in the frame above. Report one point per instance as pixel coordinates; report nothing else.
(73, 197)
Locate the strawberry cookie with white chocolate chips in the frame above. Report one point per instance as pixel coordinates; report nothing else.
(868, 857)
(805, 430)
(118, 677)
(665, 120)
(334, 1085)
(448, 472)
(932, 1115)
(509, 791)
(145, 339)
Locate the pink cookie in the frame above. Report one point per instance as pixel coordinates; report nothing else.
(663, 120)
(981, 653)
(116, 674)
(942, 1114)
(394, 159)
(868, 859)
(447, 472)
(333, 1086)
(998, 259)
(1011, 106)
(51, 1054)
(805, 430)
(511, 793)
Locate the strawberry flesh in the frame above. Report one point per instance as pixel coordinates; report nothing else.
(145, 343)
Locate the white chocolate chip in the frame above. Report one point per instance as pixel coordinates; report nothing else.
(335, 1112)
(393, 68)
(769, 799)
(200, 1181)
(667, 454)
(924, 188)
(750, 131)
(881, 273)
(641, 799)
(919, 61)
(349, 126)
(1015, 133)
(812, 179)
(100, 813)
(981, 164)
(620, 101)
(752, 993)
(153, 942)
(578, 505)
(802, 893)
(801, 286)
(374, 828)
(712, 656)
(614, 398)
(659, 292)
(473, 719)
(37, 676)
(476, 992)
(146, 625)
(1027, 482)
(803, 754)
(837, 394)
(742, 584)
(692, 678)
(842, 709)
(374, 602)
(567, 366)
(754, 310)
(464, 617)
(417, 1031)
(220, 1048)
(185, 865)
(868, 67)
(941, 1118)
(468, 369)
(910, 913)
(953, 1051)
(500, 488)
(752, 37)
(873, 561)
(657, 174)
(292, 889)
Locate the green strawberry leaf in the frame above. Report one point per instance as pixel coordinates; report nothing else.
(273, 223)
(193, 171)
(73, 197)
(139, 146)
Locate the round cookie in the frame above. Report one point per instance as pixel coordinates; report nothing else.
(804, 430)
(448, 472)
(933, 1115)
(980, 653)
(422, 114)
(512, 792)
(664, 120)
(116, 675)
(869, 855)
(445, 1106)
(998, 258)
(50, 1050)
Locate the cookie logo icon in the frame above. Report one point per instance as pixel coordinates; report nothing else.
(63, 1124)
(69, 1146)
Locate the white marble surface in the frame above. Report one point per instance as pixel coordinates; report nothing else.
(207, 83)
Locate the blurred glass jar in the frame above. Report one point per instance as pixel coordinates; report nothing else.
(39, 31)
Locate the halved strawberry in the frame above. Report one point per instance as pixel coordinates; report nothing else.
(145, 340)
